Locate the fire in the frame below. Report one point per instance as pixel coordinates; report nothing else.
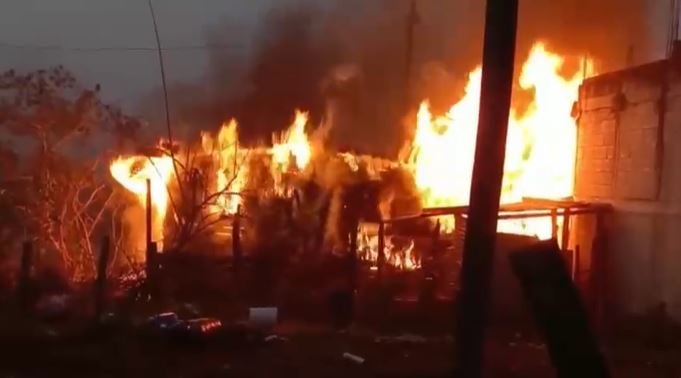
(292, 145)
(399, 256)
(133, 172)
(231, 172)
(540, 157)
(540, 151)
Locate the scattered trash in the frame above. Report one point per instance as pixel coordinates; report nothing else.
(354, 358)
(272, 338)
(406, 338)
(262, 317)
(164, 321)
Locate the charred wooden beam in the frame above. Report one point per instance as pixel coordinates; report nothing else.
(495, 101)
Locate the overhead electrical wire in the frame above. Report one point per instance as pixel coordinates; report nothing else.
(77, 49)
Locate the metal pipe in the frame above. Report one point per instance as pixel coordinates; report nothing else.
(495, 101)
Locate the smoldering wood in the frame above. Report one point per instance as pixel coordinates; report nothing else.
(558, 310)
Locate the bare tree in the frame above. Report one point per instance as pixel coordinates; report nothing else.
(66, 193)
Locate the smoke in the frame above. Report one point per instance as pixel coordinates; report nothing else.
(344, 60)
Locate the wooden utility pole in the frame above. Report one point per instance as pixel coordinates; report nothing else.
(148, 218)
(412, 20)
(479, 243)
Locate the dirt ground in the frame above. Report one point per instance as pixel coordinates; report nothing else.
(78, 349)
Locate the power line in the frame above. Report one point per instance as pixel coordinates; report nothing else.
(119, 48)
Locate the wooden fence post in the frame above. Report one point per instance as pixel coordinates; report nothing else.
(23, 285)
(100, 284)
(236, 239)
(381, 249)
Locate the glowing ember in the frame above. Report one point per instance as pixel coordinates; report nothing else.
(133, 172)
(540, 152)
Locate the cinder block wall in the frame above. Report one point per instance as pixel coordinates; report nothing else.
(629, 155)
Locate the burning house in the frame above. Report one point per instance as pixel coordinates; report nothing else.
(429, 180)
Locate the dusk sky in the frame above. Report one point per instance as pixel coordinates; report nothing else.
(124, 75)
(28, 26)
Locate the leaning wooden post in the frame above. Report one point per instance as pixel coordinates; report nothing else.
(381, 248)
(236, 239)
(25, 273)
(495, 101)
(100, 284)
(559, 311)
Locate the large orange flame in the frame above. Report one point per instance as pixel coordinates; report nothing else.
(292, 144)
(231, 170)
(540, 155)
(540, 151)
(133, 172)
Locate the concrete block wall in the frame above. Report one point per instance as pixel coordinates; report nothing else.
(629, 155)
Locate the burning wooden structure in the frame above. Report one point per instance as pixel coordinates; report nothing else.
(302, 199)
